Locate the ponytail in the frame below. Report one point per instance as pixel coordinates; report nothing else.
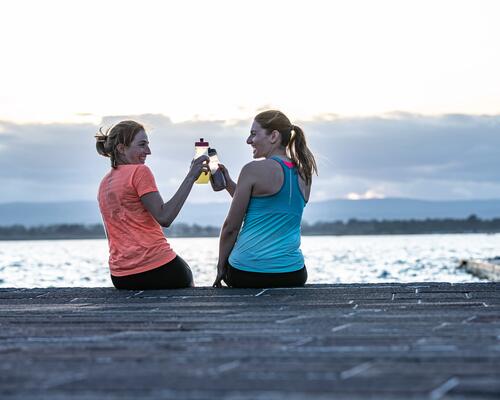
(300, 154)
(105, 146)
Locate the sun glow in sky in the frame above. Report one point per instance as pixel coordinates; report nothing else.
(399, 98)
(71, 61)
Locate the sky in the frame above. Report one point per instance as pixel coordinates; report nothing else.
(397, 98)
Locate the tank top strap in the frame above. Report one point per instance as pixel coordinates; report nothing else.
(291, 176)
(288, 165)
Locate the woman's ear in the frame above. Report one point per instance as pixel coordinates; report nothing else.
(121, 148)
(275, 136)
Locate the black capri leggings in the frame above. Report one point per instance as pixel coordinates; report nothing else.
(243, 279)
(173, 275)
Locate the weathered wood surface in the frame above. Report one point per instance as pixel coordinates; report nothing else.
(482, 269)
(387, 341)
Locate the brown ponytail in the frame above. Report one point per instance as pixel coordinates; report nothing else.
(122, 133)
(293, 138)
(301, 155)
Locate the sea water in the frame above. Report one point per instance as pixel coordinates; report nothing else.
(329, 259)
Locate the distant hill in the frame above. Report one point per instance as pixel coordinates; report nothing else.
(86, 212)
(400, 209)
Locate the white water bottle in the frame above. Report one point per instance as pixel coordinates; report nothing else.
(217, 179)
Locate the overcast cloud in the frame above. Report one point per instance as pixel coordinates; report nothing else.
(397, 155)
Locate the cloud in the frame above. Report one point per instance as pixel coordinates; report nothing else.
(369, 194)
(399, 154)
(406, 147)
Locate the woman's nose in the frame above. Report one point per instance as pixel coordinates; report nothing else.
(249, 140)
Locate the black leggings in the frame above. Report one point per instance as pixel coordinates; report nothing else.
(173, 275)
(243, 279)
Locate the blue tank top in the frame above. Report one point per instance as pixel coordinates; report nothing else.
(269, 240)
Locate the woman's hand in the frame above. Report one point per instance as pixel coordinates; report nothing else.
(221, 274)
(198, 166)
(230, 184)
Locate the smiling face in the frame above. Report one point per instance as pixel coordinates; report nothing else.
(138, 150)
(260, 141)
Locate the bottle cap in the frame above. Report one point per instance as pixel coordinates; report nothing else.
(211, 152)
(201, 143)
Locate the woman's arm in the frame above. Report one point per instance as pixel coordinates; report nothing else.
(165, 213)
(230, 184)
(234, 219)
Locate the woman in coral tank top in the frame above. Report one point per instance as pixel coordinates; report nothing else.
(133, 213)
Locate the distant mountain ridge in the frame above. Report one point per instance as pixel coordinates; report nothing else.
(87, 212)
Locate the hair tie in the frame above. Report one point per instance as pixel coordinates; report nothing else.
(292, 131)
(100, 138)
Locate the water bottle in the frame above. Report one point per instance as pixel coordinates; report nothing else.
(217, 179)
(201, 149)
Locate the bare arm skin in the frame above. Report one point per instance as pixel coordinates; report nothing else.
(234, 219)
(231, 185)
(165, 213)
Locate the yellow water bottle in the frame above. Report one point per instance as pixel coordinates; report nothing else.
(201, 149)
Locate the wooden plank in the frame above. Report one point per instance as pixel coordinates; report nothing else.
(320, 342)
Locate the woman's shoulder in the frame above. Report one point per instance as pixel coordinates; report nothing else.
(259, 171)
(130, 171)
(134, 168)
(261, 165)
(142, 167)
(141, 172)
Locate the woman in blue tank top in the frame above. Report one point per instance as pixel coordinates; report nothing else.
(260, 240)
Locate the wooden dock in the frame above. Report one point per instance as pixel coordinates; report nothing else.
(383, 341)
(483, 269)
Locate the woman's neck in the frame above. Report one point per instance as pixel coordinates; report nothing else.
(277, 153)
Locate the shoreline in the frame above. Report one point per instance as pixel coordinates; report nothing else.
(352, 227)
(216, 236)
